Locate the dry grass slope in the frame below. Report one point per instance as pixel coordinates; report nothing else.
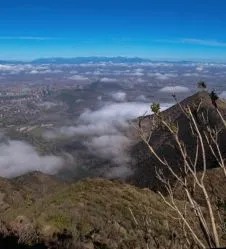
(97, 213)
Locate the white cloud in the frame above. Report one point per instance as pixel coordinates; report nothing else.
(137, 72)
(108, 80)
(34, 71)
(28, 68)
(195, 41)
(97, 72)
(78, 78)
(223, 95)
(74, 72)
(17, 158)
(213, 43)
(200, 68)
(162, 76)
(107, 120)
(103, 133)
(141, 98)
(118, 172)
(110, 146)
(50, 71)
(17, 68)
(190, 74)
(115, 111)
(47, 104)
(90, 129)
(139, 80)
(119, 96)
(174, 89)
(5, 67)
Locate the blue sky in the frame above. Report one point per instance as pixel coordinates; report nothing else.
(157, 29)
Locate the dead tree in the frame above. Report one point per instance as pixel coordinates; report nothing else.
(207, 225)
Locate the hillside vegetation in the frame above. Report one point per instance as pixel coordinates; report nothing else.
(96, 213)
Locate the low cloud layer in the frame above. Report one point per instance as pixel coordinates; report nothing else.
(110, 146)
(162, 76)
(141, 98)
(191, 74)
(223, 95)
(47, 105)
(174, 89)
(78, 77)
(28, 69)
(119, 96)
(17, 158)
(106, 120)
(108, 80)
(103, 133)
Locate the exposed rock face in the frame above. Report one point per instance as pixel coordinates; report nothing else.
(165, 145)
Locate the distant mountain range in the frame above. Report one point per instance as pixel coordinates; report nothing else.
(80, 60)
(86, 60)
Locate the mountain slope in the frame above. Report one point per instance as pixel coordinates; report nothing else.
(94, 213)
(165, 145)
(89, 214)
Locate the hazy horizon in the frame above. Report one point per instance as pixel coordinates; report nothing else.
(195, 60)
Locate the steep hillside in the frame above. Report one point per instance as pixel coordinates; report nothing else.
(164, 143)
(89, 214)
